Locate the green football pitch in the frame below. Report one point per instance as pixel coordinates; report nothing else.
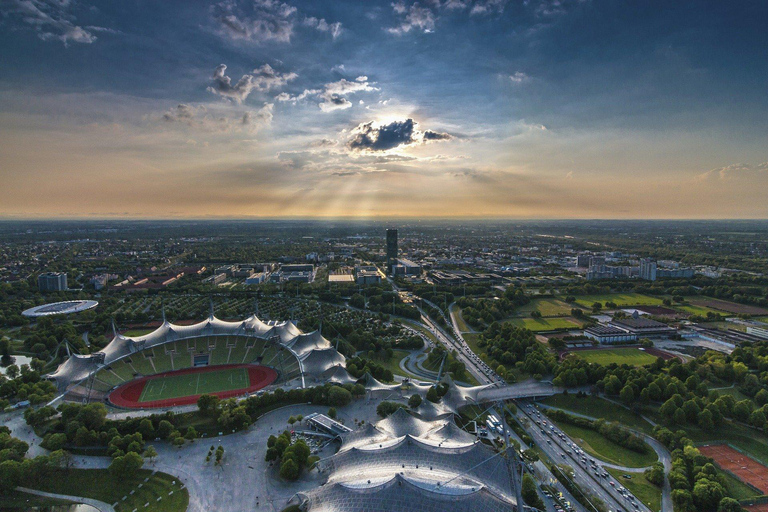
(177, 386)
(630, 356)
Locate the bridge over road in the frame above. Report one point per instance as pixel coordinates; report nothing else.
(530, 389)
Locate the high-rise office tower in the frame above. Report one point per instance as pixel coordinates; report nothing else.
(52, 282)
(391, 249)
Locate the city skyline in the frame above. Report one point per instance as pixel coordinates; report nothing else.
(438, 108)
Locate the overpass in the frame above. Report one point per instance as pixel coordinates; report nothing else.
(513, 391)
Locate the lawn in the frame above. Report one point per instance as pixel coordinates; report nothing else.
(595, 407)
(547, 307)
(630, 356)
(695, 310)
(620, 299)
(393, 363)
(545, 324)
(638, 485)
(460, 323)
(738, 489)
(17, 500)
(606, 450)
(100, 485)
(177, 386)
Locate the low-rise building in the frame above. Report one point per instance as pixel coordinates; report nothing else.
(608, 334)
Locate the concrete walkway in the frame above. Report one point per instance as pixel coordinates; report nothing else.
(103, 507)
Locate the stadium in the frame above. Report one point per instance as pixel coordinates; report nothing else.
(60, 308)
(404, 463)
(175, 364)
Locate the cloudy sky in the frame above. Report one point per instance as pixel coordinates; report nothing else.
(463, 108)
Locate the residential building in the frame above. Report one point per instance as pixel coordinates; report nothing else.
(52, 282)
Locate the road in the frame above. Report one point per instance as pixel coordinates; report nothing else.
(561, 449)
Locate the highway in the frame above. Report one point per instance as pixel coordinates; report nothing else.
(562, 450)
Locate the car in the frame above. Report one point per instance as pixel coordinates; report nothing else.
(612, 484)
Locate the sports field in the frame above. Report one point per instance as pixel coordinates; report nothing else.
(606, 356)
(745, 468)
(184, 387)
(175, 386)
(620, 299)
(546, 324)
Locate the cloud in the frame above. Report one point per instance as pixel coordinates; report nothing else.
(735, 171)
(488, 6)
(415, 17)
(52, 20)
(429, 135)
(198, 117)
(518, 77)
(373, 137)
(323, 26)
(334, 94)
(263, 78)
(265, 20)
(254, 120)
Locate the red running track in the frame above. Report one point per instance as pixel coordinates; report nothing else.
(128, 395)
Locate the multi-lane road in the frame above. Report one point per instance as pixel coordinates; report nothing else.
(589, 473)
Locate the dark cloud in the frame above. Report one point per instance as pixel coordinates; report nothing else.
(429, 135)
(372, 137)
(388, 136)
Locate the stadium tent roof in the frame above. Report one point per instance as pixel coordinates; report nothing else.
(339, 375)
(317, 355)
(406, 464)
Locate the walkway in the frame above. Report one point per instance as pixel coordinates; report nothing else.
(103, 507)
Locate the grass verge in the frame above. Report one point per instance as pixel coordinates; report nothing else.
(596, 407)
(602, 448)
(638, 485)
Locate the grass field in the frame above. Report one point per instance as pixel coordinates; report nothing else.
(177, 386)
(393, 364)
(630, 356)
(738, 489)
(545, 324)
(695, 310)
(100, 485)
(21, 501)
(595, 407)
(547, 307)
(620, 299)
(602, 448)
(638, 485)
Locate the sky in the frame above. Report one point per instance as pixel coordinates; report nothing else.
(367, 109)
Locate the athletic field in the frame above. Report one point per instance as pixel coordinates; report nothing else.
(606, 356)
(176, 386)
(184, 387)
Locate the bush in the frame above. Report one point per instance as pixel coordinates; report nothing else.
(384, 409)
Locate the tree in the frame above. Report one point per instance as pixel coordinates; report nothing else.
(729, 505)
(126, 465)
(191, 434)
(208, 405)
(530, 494)
(146, 429)
(10, 476)
(164, 429)
(150, 453)
(627, 394)
(415, 401)
(384, 409)
(289, 469)
(332, 413)
(339, 397)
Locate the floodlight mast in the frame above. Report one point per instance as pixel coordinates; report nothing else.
(513, 462)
